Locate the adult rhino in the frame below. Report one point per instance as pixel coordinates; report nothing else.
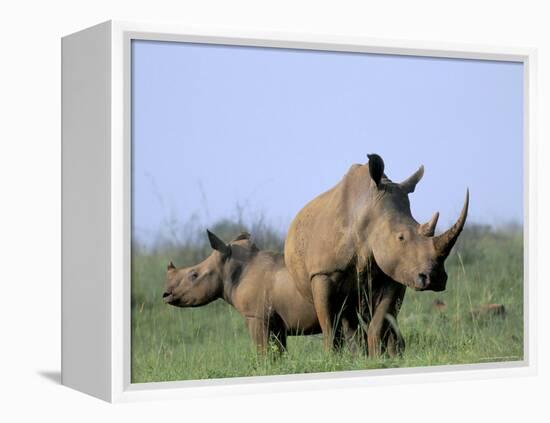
(359, 241)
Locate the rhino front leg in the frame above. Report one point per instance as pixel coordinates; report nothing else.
(322, 290)
(380, 323)
(320, 287)
(374, 332)
(393, 343)
(383, 334)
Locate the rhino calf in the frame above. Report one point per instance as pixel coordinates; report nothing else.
(257, 283)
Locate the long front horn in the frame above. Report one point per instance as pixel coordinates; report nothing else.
(445, 242)
(428, 228)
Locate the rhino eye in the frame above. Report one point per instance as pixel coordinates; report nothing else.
(194, 275)
(401, 237)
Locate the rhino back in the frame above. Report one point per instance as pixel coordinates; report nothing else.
(266, 290)
(321, 237)
(253, 295)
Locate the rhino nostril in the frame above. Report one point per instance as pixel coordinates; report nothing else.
(421, 280)
(166, 294)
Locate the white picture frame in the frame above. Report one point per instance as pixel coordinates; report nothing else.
(96, 227)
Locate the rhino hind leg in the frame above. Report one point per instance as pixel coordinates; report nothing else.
(259, 332)
(268, 335)
(277, 341)
(277, 334)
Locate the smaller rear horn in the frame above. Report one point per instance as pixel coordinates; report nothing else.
(428, 228)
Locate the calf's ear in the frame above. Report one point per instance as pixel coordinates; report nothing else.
(217, 244)
(376, 168)
(170, 266)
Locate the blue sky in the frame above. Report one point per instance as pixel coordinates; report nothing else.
(216, 127)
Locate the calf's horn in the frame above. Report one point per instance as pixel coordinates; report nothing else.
(428, 228)
(445, 242)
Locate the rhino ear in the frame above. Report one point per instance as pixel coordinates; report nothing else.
(409, 184)
(217, 244)
(171, 266)
(376, 168)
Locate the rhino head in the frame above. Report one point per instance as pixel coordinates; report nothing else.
(198, 285)
(402, 248)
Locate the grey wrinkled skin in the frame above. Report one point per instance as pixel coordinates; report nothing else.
(354, 249)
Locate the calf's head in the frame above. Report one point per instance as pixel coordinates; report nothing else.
(204, 282)
(403, 249)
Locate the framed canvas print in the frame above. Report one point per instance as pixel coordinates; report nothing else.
(255, 211)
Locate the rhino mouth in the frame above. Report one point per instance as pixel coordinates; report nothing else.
(169, 298)
(179, 301)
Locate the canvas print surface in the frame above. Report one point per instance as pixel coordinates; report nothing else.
(299, 211)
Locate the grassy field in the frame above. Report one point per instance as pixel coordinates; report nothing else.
(170, 343)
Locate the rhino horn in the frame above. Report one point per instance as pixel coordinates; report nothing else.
(428, 228)
(409, 184)
(445, 242)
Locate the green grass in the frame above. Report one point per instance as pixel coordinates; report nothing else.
(170, 343)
